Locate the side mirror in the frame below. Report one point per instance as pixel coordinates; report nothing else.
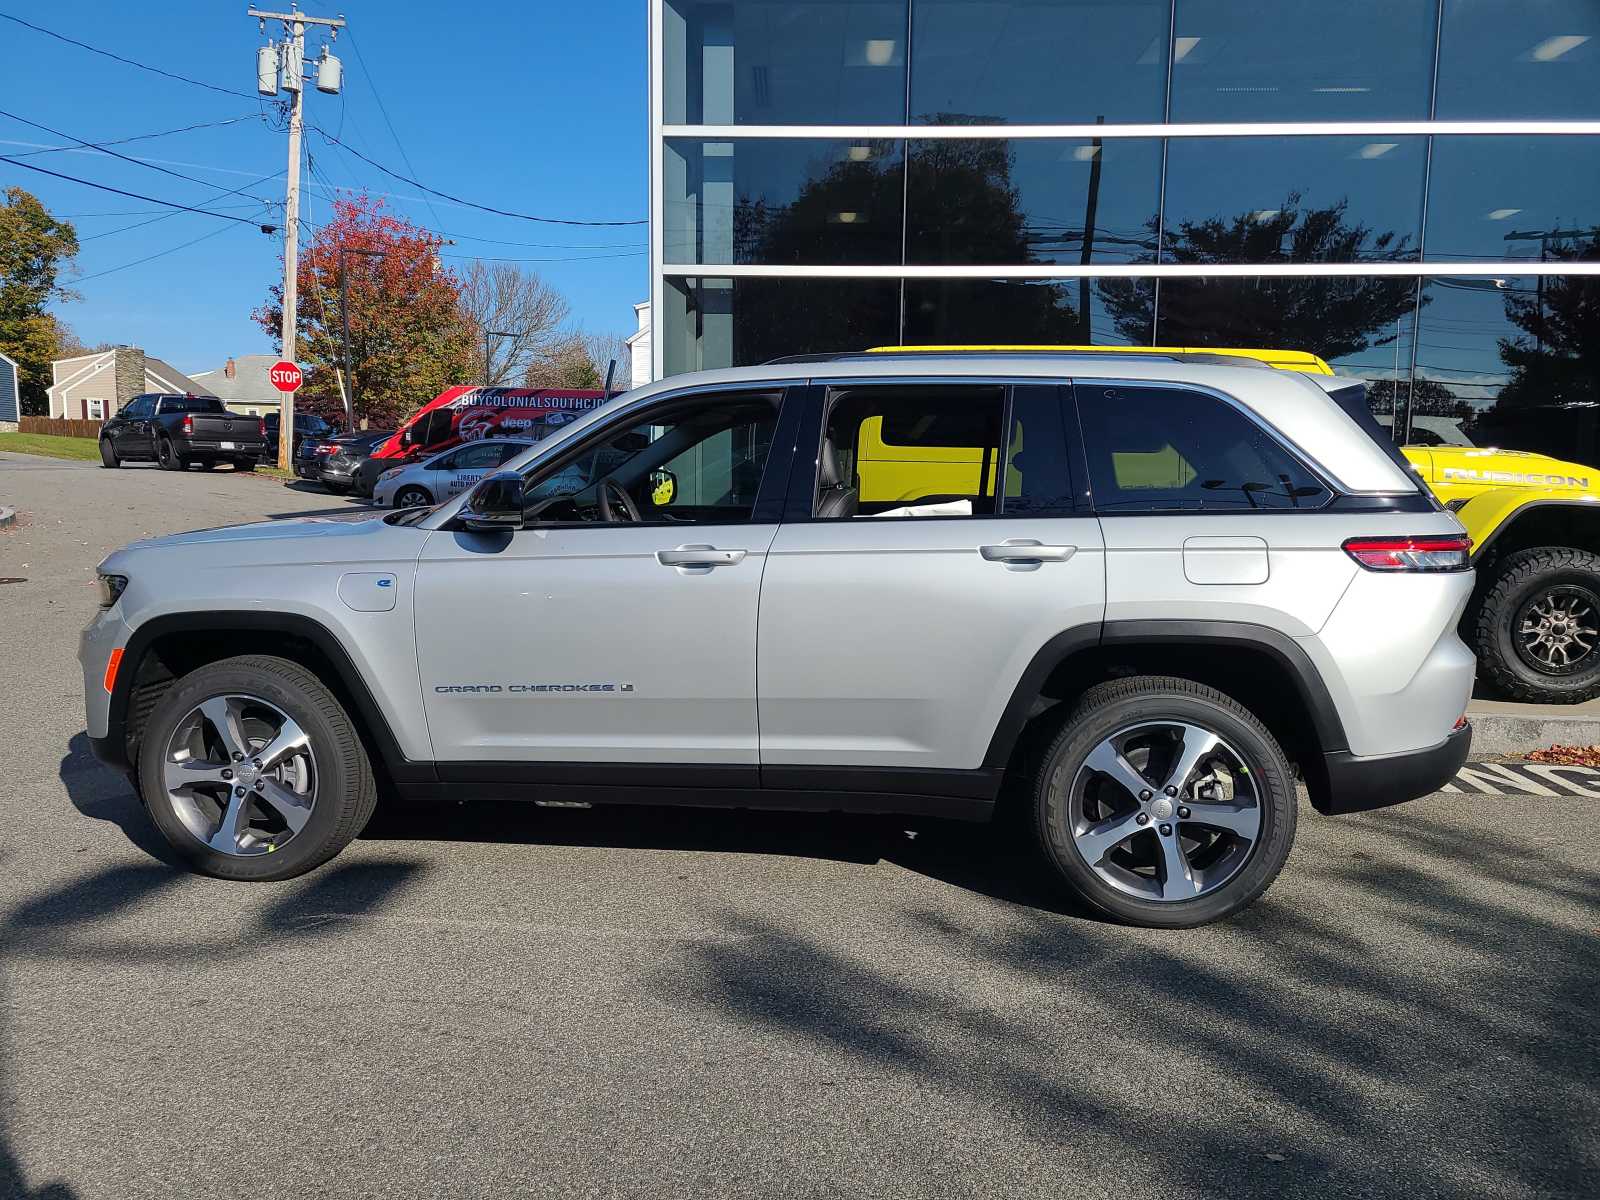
(495, 505)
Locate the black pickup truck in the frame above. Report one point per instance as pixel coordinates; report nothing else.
(177, 431)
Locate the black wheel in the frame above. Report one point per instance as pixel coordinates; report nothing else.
(1165, 803)
(1537, 626)
(412, 496)
(244, 464)
(167, 456)
(253, 771)
(108, 454)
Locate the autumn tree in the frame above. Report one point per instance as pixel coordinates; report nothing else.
(409, 339)
(34, 248)
(527, 317)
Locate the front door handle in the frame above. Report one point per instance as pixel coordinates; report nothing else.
(699, 556)
(1025, 550)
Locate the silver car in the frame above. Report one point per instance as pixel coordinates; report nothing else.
(1143, 594)
(445, 475)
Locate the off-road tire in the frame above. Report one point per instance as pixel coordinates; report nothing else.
(1108, 707)
(346, 790)
(108, 455)
(1516, 579)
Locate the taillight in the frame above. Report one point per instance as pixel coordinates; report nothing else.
(261, 424)
(1447, 552)
(188, 425)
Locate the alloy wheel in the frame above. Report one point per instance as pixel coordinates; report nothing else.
(1165, 811)
(412, 498)
(241, 775)
(1558, 629)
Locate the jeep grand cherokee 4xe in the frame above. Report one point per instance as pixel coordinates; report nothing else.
(1145, 593)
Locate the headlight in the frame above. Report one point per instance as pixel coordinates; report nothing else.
(390, 473)
(111, 588)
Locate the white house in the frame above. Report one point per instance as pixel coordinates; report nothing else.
(639, 346)
(91, 387)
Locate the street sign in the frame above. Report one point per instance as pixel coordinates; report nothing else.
(285, 376)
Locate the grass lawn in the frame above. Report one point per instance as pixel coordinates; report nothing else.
(87, 448)
(50, 445)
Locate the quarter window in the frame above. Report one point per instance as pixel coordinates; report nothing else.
(1158, 449)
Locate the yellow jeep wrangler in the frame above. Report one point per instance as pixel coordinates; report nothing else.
(1534, 616)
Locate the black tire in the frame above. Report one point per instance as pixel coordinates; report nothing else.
(1519, 583)
(244, 464)
(412, 496)
(1110, 707)
(108, 454)
(167, 455)
(346, 791)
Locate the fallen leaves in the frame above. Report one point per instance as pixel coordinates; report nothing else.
(1568, 756)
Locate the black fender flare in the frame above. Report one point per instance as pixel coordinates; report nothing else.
(113, 749)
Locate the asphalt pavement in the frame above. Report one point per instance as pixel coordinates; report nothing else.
(498, 1000)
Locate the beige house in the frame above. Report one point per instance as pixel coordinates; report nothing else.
(91, 387)
(242, 384)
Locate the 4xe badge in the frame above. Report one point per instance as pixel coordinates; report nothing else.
(524, 689)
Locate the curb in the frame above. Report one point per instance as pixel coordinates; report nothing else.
(1500, 733)
(8, 515)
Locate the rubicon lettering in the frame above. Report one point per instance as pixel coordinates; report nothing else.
(524, 689)
(1468, 475)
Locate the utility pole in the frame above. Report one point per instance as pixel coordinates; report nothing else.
(287, 60)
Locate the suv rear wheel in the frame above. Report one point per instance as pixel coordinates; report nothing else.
(1165, 803)
(252, 770)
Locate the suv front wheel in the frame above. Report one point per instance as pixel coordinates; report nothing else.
(1165, 803)
(252, 770)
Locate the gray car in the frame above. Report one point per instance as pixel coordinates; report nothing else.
(445, 475)
(1141, 594)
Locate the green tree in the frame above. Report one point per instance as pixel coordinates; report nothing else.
(1555, 358)
(409, 338)
(34, 248)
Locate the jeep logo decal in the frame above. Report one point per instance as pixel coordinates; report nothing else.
(1468, 475)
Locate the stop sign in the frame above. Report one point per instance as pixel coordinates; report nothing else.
(285, 376)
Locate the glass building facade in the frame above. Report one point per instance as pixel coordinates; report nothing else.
(1408, 188)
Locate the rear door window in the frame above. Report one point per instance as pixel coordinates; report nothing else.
(1165, 449)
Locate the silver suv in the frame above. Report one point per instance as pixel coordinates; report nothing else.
(1138, 595)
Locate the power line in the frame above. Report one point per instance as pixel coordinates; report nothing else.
(158, 254)
(499, 212)
(577, 258)
(135, 195)
(101, 146)
(138, 137)
(166, 215)
(61, 37)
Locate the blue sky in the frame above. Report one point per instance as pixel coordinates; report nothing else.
(534, 107)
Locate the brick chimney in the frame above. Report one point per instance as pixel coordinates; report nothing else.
(129, 373)
(230, 370)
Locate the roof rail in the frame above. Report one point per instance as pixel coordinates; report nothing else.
(1187, 356)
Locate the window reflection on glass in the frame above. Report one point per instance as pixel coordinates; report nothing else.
(1302, 60)
(1513, 361)
(1497, 198)
(1293, 199)
(783, 63)
(782, 201)
(1028, 200)
(1500, 59)
(1362, 326)
(987, 61)
(711, 323)
(1033, 312)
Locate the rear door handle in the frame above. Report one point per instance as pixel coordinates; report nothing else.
(699, 556)
(1025, 550)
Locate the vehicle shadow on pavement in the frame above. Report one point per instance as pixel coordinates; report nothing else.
(1299, 1048)
(99, 792)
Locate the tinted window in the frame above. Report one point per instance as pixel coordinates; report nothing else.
(944, 451)
(1500, 59)
(697, 463)
(1302, 60)
(1293, 199)
(1493, 198)
(783, 200)
(1022, 61)
(476, 456)
(140, 408)
(1154, 449)
(191, 404)
(783, 62)
(1033, 200)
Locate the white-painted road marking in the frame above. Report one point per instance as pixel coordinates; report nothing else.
(1525, 779)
